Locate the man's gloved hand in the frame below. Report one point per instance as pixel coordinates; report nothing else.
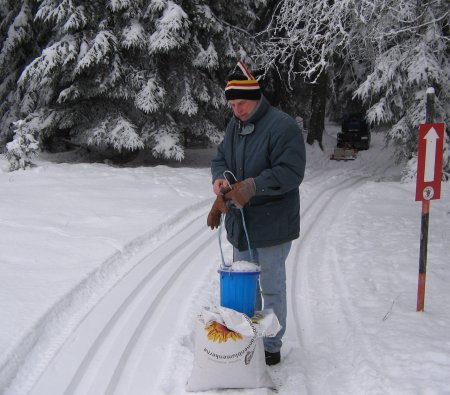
(241, 192)
(218, 208)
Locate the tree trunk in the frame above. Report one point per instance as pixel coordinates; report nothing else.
(318, 103)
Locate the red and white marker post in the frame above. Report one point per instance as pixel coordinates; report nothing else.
(428, 187)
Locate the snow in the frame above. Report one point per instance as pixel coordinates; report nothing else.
(105, 269)
(240, 266)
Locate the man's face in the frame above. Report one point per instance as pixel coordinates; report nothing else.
(242, 108)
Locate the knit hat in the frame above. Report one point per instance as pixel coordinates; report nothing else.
(241, 84)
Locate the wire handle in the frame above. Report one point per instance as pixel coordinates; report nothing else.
(243, 223)
(220, 243)
(227, 180)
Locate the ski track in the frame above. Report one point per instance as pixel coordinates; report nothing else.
(111, 333)
(32, 357)
(121, 341)
(321, 300)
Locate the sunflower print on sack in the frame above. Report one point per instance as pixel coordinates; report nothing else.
(220, 333)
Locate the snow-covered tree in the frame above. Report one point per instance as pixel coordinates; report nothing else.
(17, 38)
(410, 54)
(383, 52)
(132, 74)
(305, 39)
(24, 146)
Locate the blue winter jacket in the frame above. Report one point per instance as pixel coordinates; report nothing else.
(274, 155)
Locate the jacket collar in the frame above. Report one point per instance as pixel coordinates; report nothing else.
(261, 108)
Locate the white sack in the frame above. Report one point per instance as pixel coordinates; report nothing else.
(265, 322)
(225, 358)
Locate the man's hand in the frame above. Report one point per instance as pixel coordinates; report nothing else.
(241, 192)
(219, 185)
(219, 207)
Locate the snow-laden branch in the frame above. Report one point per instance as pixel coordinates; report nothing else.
(414, 28)
(171, 29)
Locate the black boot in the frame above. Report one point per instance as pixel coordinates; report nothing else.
(272, 358)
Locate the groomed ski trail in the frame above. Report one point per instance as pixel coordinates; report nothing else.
(122, 336)
(133, 339)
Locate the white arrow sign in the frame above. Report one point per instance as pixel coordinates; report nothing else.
(430, 154)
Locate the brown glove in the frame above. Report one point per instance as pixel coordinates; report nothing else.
(241, 192)
(218, 208)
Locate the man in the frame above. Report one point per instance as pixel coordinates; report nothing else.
(263, 147)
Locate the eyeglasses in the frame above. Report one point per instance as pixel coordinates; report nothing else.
(247, 129)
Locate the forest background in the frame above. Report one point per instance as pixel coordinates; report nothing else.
(117, 78)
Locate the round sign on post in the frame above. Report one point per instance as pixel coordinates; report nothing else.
(428, 193)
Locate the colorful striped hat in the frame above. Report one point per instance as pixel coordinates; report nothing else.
(242, 85)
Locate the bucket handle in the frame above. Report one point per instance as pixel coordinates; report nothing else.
(246, 235)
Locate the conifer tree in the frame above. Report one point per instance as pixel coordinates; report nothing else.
(384, 53)
(17, 38)
(409, 55)
(131, 74)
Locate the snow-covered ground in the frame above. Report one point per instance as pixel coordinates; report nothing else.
(104, 270)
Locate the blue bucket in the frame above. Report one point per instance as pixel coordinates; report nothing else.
(238, 290)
